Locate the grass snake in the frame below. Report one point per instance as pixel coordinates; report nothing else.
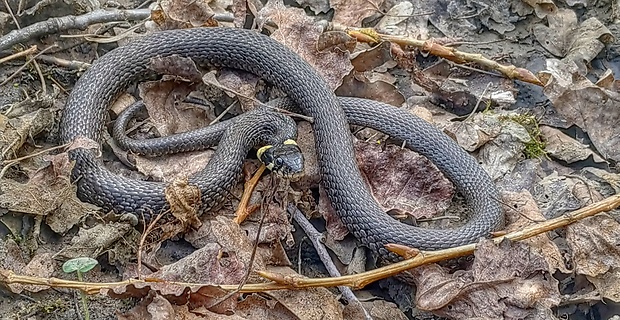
(86, 111)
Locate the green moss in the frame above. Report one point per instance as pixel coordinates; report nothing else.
(535, 148)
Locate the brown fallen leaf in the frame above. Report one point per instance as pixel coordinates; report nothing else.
(317, 6)
(300, 33)
(521, 211)
(242, 82)
(403, 181)
(577, 42)
(15, 131)
(592, 108)
(163, 100)
(476, 131)
(401, 20)
(351, 12)
(173, 167)
(501, 156)
(176, 67)
(381, 310)
(565, 148)
(443, 15)
(230, 238)
(595, 253)
(175, 14)
(41, 265)
(506, 281)
(316, 303)
(542, 7)
(48, 192)
(370, 78)
(361, 85)
(96, 240)
(498, 16)
(11, 255)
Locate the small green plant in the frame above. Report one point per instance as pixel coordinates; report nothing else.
(80, 266)
(536, 147)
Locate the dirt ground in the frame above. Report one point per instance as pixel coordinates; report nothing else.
(527, 87)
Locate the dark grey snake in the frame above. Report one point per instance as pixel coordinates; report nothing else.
(250, 51)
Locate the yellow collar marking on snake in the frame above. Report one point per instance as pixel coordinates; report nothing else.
(259, 154)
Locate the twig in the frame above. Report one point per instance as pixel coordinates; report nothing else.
(8, 7)
(145, 233)
(9, 163)
(316, 238)
(218, 118)
(41, 77)
(26, 64)
(57, 25)
(248, 271)
(20, 54)
(512, 72)
(69, 64)
(286, 112)
(356, 281)
(242, 210)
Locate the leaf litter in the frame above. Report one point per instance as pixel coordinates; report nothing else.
(505, 281)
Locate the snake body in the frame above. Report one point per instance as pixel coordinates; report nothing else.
(250, 51)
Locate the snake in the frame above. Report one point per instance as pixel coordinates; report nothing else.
(86, 110)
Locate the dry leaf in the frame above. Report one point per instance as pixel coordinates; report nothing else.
(242, 82)
(300, 33)
(48, 192)
(448, 17)
(350, 13)
(359, 85)
(163, 100)
(173, 167)
(42, 266)
(542, 7)
(521, 211)
(565, 148)
(565, 37)
(501, 156)
(317, 6)
(592, 108)
(401, 20)
(96, 240)
(315, 303)
(507, 281)
(403, 181)
(181, 14)
(595, 252)
(15, 131)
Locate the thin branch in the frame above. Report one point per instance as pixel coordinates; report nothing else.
(316, 238)
(356, 281)
(57, 25)
(29, 51)
(25, 65)
(512, 72)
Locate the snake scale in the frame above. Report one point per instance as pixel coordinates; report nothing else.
(86, 110)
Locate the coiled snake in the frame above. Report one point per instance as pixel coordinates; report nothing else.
(250, 51)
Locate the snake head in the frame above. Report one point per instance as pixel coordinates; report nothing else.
(285, 159)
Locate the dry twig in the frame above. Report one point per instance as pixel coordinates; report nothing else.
(356, 281)
(369, 35)
(316, 238)
(242, 210)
